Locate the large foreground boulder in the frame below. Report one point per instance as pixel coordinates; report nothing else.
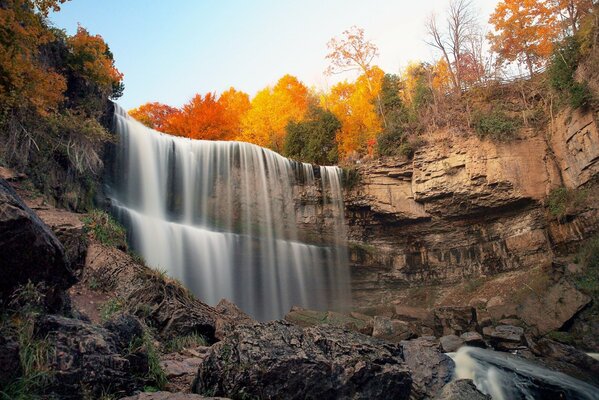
(278, 360)
(431, 369)
(29, 251)
(88, 360)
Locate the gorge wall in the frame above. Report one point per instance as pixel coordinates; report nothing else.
(465, 208)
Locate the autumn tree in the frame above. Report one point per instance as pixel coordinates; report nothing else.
(23, 78)
(154, 115)
(457, 41)
(355, 105)
(235, 105)
(352, 52)
(272, 109)
(525, 31)
(571, 13)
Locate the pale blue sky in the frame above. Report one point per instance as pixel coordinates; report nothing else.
(171, 49)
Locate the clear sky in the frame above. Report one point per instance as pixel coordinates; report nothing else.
(171, 49)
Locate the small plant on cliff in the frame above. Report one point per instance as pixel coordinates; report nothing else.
(155, 374)
(495, 125)
(109, 308)
(178, 343)
(105, 229)
(562, 201)
(350, 178)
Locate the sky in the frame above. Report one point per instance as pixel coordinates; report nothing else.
(171, 50)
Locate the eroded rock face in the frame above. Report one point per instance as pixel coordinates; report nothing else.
(281, 361)
(29, 251)
(10, 363)
(170, 396)
(87, 357)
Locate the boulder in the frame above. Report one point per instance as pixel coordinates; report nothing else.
(10, 362)
(29, 251)
(474, 339)
(454, 320)
(91, 359)
(355, 321)
(565, 357)
(451, 343)
(281, 360)
(504, 337)
(170, 396)
(227, 316)
(392, 330)
(431, 369)
(461, 389)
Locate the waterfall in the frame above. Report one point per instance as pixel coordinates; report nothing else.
(222, 217)
(507, 377)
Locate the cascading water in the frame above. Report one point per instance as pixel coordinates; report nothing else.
(221, 217)
(506, 377)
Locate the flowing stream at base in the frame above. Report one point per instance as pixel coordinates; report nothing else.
(222, 218)
(506, 377)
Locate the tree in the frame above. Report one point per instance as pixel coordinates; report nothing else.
(525, 30)
(201, 118)
(235, 105)
(154, 115)
(456, 39)
(352, 52)
(24, 79)
(92, 60)
(272, 109)
(571, 12)
(354, 104)
(313, 139)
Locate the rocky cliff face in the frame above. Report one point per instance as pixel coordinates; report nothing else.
(465, 208)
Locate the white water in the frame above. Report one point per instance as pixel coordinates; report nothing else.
(221, 217)
(506, 377)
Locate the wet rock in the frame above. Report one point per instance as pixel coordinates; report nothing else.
(355, 321)
(454, 320)
(170, 396)
(451, 343)
(561, 354)
(392, 330)
(10, 363)
(461, 389)
(89, 358)
(281, 360)
(431, 369)
(29, 251)
(474, 339)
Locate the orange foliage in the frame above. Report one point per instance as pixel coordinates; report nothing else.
(525, 29)
(22, 32)
(272, 109)
(354, 105)
(154, 115)
(92, 58)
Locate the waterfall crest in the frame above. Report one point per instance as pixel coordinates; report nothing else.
(222, 217)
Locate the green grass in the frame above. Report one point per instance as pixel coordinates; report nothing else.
(495, 125)
(110, 308)
(562, 201)
(180, 342)
(105, 229)
(155, 373)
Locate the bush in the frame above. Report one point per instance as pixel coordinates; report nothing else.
(314, 139)
(350, 178)
(105, 229)
(495, 125)
(562, 201)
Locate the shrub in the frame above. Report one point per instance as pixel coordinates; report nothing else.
(178, 343)
(495, 125)
(562, 201)
(105, 229)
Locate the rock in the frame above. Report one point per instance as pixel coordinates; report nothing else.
(451, 343)
(163, 303)
(504, 337)
(88, 358)
(431, 369)
(11, 175)
(175, 368)
(407, 313)
(461, 389)
(29, 251)
(473, 339)
(227, 316)
(170, 396)
(454, 320)
(126, 327)
(10, 362)
(70, 231)
(563, 353)
(478, 303)
(281, 360)
(392, 330)
(355, 321)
